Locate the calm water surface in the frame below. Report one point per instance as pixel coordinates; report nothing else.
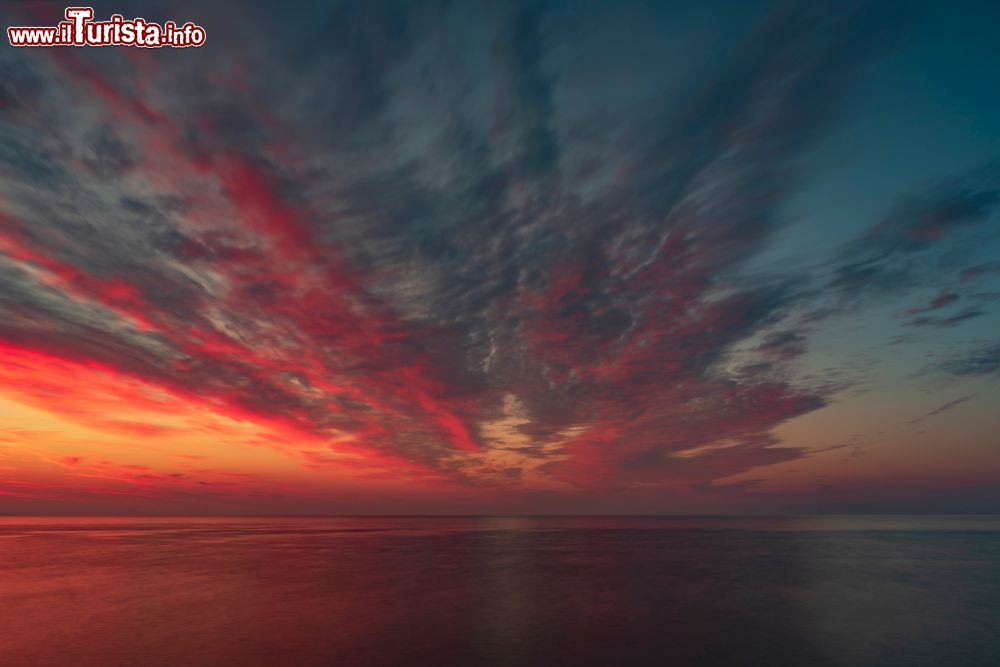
(475, 591)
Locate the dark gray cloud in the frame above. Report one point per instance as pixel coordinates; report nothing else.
(979, 362)
(904, 249)
(941, 409)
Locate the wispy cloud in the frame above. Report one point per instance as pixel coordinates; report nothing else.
(940, 409)
(381, 242)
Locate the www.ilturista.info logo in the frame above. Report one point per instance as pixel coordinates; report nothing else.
(79, 29)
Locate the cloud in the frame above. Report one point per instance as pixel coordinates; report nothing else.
(377, 242)
(950, 321)
(901, 251)
(941, 409)
(981, 361)
(943, 298)
(783, 345)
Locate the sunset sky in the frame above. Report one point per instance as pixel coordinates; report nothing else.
(501, 257)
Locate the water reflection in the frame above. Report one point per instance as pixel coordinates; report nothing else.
(468, 591)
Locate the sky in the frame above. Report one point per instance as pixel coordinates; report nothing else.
(504, 257)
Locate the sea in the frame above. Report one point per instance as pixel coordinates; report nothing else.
(467, 591)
